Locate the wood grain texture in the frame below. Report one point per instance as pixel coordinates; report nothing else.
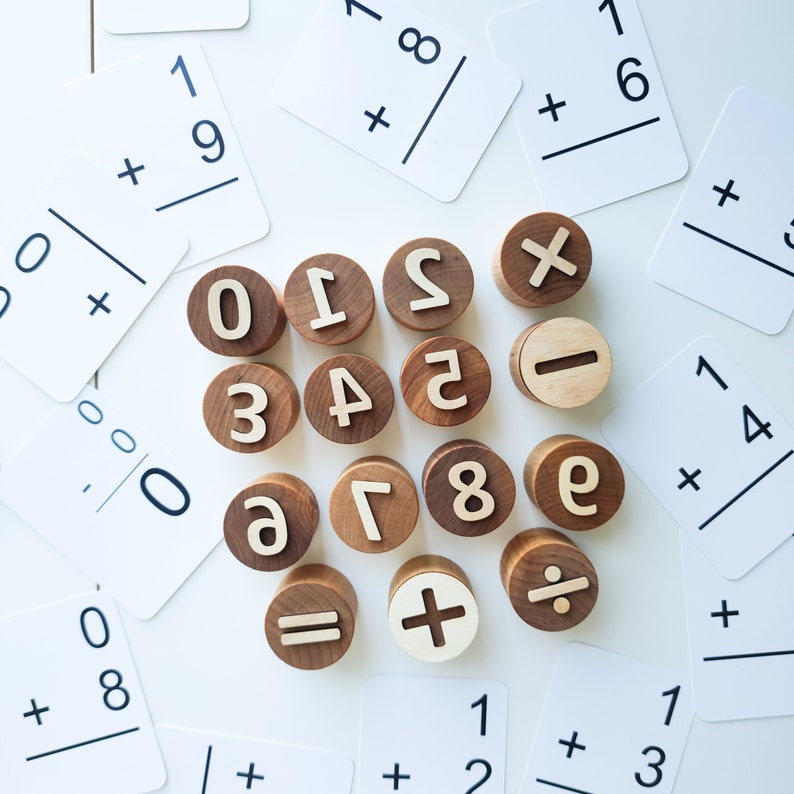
(524, 254)
(392, 515)
(570, 491)
(564, 362)
(485, 492)
(312, 618)
(236, 418)
(450, 272)
(544, 563)
(456, 400)
(267, 316)
(255, 534)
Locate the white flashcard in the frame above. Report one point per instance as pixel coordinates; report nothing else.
(158, 124)
(389, 82)
(200, 762)
(72, 712)
(159, 16)
(426, 735)
(592, 112)
(741, 636)
(113, 500)
(714, 452)
(610, 724)
(730, 242)
(76, 274)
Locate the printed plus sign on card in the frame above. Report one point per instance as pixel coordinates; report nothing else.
(394, 85)
(156, 16)
(158, 124)
(592, 112)
(714, 452)
(76, 274)
(730, 242)
(72, 712)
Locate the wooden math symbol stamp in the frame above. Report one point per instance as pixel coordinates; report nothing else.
(311, 620)
(549, 580)
(575, 483)
(269, 525)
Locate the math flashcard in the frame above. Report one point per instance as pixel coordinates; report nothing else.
(157, 123)
(76, 274)
(159, 16)
(592, 112)
(714, 452)
(399, 88)
(730, 242)
(114, 501)
(200, 762)
(610, 724)
(72, 712)
(741, 636)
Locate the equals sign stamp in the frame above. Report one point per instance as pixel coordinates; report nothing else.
(309, 627)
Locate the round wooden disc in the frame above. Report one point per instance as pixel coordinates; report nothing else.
(311, 620)
(250, 407)
(575, 483)
(420, 305)
(374, 506)
(549, 580)
(269, 525)
(564, 362)
(433, 615)
(451, 387)
(544, 259)
(329, 299)
(483, 493)
(349, 374)
(235, 311)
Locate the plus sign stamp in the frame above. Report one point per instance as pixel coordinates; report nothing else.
(426, 735)
(610, 723)
(730, 243)
(394, 85)
(214, 763)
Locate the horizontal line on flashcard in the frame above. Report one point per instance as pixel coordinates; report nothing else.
(747, 488)
(196, 195)
(95, 244)
(601, 138)
(737, 248)
(113, 492)
(206, 770)
(747, 655)
(560, 786)
(82, 744)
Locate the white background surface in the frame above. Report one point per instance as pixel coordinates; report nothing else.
(203, 659)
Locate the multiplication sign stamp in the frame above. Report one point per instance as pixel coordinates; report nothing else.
(425, 735)
(714, 452)
(394, 85)
(596, 127)
(118, 504)
(72, 712)
(730, 242)
(157, 123)
(76, 274)
(610, 724)
(202, 762)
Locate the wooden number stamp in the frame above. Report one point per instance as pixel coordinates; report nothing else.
(250, 407)
(445, 381)
(329, 299)
(469, 490)
(544, 259)
(348, 398)
(311, 620)
(427, 284)
(269, 525)
(550, 582)
(575, 483)
(374, 506)
(432, 612)
(564, 362)
(235, 311)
